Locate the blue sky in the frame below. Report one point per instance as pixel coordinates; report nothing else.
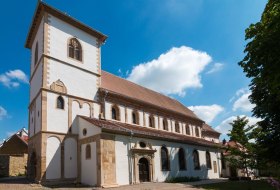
(187, 49)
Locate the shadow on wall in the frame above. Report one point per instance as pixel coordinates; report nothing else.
(202, 172)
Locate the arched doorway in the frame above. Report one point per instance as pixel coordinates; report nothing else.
(144, 173)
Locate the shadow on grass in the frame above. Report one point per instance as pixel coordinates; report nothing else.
(239, 185)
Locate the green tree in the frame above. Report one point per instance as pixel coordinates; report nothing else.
(262, 64)
(242, 151)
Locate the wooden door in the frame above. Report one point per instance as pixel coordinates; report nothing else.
(144, 170)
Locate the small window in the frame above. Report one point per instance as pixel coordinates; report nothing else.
(142, 145)
(196, 160)
(182, 159)
(188, 132)
(88, 152)
(115, 113)
(177, 128)
(208, 160)
(36, 54)
(134, 117)
(38, 113)
(84, 131)
(164, 159)
(196, 131)
(60, 102)
(151, 121)
(75, 49)
(164, 124)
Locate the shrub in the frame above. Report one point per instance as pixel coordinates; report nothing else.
(182, 179)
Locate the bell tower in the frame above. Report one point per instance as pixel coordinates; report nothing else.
(65, 76)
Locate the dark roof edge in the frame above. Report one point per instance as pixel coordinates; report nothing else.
(127, 132)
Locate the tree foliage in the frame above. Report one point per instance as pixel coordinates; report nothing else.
(242, 154)
(262, 64)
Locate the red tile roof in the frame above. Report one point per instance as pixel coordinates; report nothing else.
(129, 89)
(208, 128)
(146, 132)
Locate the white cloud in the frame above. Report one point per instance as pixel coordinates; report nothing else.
(3, 113)
(207, 113)
(13, 78)
(216, 67)
(224, 127)
(243, 103)
(172, 72)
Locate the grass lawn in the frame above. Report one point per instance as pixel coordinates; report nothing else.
(239, 185)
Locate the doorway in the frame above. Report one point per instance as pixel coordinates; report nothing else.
(144, 170)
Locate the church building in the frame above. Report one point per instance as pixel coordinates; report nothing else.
(91, 127)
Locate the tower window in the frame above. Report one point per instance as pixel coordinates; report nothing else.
(75, 49)
(36, 54)
(88, 152)
(60, 102)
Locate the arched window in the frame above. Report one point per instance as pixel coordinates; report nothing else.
(188, 132)
(135, 119)
(75, 49)
(182, 160)
(88, 152)
(115, 113)
(196, 160)
(177, 128)
(208, 160)
(164, 125)
(196, 131)
(164, 159)
(60, 102)
(36, 54)
(151, 121)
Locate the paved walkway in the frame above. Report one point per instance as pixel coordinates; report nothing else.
(23, 184)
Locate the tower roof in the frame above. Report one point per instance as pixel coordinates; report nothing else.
(42, 8)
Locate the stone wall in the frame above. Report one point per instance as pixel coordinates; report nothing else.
(13, 165)
(18, 165)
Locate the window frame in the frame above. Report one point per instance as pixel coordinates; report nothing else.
(88, 152)
(36, 54)
(58, 99)
(117, 113)
(196, 163)
(177, 127)
(72, 53)
(165, 163)
(182, 158)
(165, 125)
(208, 160)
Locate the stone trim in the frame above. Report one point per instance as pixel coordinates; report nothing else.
(59, 87)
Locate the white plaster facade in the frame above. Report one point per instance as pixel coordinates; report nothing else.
(65, 135)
